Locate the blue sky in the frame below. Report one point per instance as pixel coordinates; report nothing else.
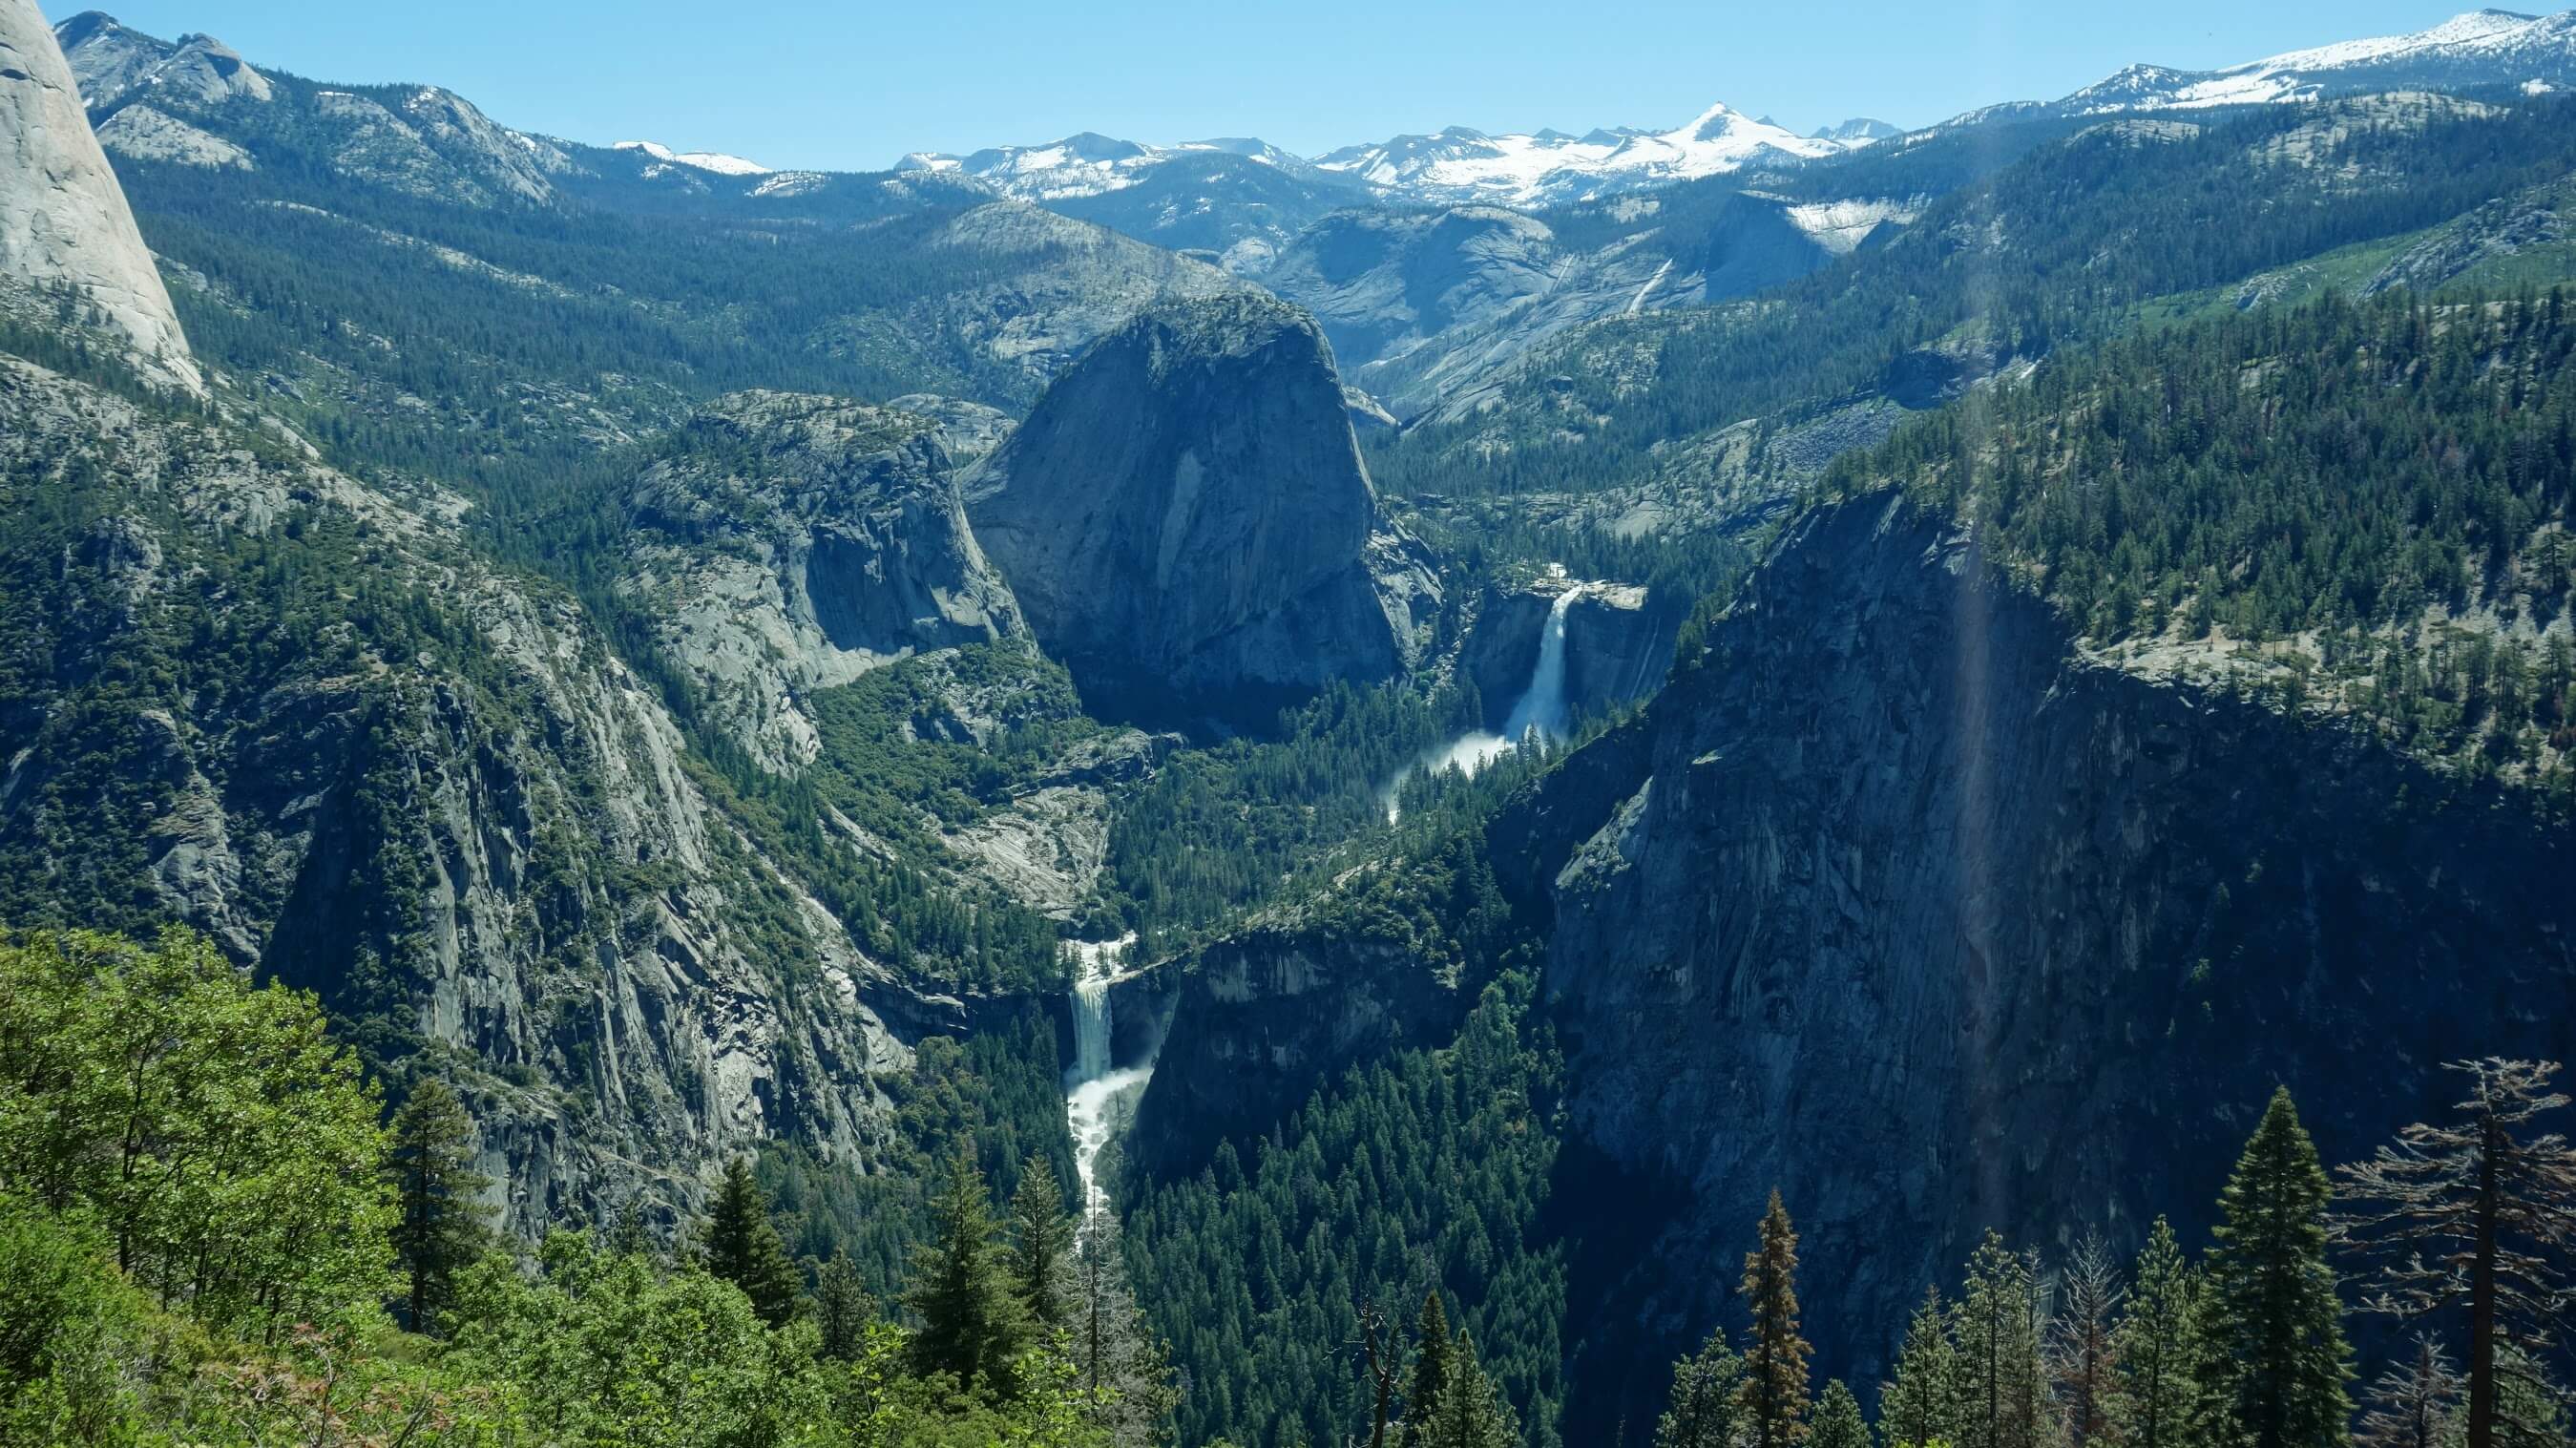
(854, 84)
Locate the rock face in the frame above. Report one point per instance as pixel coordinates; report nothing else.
(1618, 645)
(1262, 1019)
(478, 838)
(63, 218)
(1892, 905)
(1187, 523)
(787, 543)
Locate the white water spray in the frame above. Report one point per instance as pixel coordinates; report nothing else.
(1093, 1089)
(1543, 706)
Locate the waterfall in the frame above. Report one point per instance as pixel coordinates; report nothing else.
(1094, 1089)
(1543, 706)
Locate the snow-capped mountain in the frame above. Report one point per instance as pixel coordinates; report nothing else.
(1859, 130)
(1546, 167)
(1089, 164)
(2479, 48)
(715, 161)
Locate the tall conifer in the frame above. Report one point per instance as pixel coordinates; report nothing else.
(2277, 1324)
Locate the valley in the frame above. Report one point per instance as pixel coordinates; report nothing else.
(1119, 793)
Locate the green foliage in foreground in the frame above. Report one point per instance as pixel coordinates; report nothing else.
(198, 1231)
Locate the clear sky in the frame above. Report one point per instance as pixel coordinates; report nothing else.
(852, 84)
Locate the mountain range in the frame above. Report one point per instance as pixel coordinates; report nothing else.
(1417, 730)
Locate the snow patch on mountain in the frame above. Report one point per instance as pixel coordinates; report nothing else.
(1544, 167)
(712, 161)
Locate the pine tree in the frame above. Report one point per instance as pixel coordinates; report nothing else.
(440, 1227)
(2277, 1324)
(842, 1310)
(1838, 1421)
(1999, 1349)
(739, 1243)
(2413, 1406)
(2156, 1351)
(972, 1325)
(2495, 1206)
(1702, 1412)
(1042, 1243)
(1774, 1395)
(1471, 1412)
(1432, 1351)
(1124, 1372)
(2082, 1354)
(1922, 1405)
(2531, 1408)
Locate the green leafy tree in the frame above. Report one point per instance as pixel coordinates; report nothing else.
(226, 1148)
(740, 1245)
(2278, 1326)
(972, 1324)
(1702, 1411)
(610, 1349)
(440, 1222)
(1774, 1395)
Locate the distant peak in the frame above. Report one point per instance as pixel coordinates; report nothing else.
(711, 161)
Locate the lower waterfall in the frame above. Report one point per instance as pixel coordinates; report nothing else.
(1095, 1092)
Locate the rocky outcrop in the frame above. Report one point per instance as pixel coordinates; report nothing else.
(1262, 1019)
(1893, 903)
(1187, 524)
(63, 218)
(1618, 644)
(1423, 307)
(786, 543)
(452, 812)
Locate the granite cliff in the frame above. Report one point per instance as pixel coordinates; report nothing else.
(1186, 522)
(1893, 902)
(66, 234)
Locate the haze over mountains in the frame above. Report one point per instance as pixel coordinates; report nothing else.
(780, 694)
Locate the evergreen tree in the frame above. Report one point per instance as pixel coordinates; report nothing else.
(440, 1221)
(1774, 1394)
(2484, 1210)
(2414, 1406)
(1922, 1405)
(2156, 1351)
(2277, 1323)
(1432, 1352)
(2531, 1408)
(1702, 1412)
(1122, 1371)
(842, 1310)
(739, 1243)
(1042, 1243)
(1838, 1421)
(972, 1324)
(1999, 1349)
(2087, 1310)
(1471, 1412)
